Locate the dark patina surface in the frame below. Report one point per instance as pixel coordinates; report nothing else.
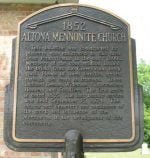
(73, 68)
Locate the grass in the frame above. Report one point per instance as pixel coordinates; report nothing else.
(133, 154)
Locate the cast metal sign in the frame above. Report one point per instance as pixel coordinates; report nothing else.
(73, 68)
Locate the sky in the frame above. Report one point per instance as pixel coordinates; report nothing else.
(137, 14)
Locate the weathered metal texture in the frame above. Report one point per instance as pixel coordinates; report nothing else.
(73, 145)
(73, 67)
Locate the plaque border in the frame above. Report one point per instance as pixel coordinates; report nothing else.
(131, 83)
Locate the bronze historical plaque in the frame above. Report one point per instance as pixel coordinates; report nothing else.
(74, 70)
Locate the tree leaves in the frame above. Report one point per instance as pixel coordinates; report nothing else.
(144, 80)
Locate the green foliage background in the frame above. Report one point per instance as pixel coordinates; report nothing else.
(144, 80)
